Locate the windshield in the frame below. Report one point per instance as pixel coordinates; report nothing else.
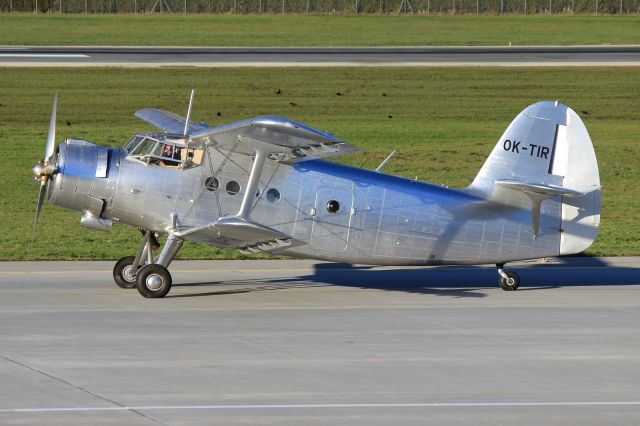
(132, 143)
(144, 148)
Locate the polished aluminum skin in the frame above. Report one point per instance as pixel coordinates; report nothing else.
(258, 185)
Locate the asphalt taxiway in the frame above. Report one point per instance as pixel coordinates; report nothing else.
(305, 342)
(320, 56)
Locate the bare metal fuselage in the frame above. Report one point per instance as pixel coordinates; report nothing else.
(259, 185)
(382, 219)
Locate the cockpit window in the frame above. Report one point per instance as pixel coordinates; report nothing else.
(167, 150)
(144, 148)
(133, 142)
(163, 152)
(167, 154)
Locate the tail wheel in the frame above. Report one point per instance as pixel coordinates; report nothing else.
(124, 274)
(153, 281)
(512, 282)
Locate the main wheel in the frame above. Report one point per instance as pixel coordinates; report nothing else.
(123, 273)
(510, 284)
(153, 281)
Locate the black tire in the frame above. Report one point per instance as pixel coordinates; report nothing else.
(122, 273)
(512, 284)
(153, 281)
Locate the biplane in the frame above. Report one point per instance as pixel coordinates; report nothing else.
(261, 185)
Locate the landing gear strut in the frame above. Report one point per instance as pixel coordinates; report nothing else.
(508, 280)
(150, 276)
(154, 280)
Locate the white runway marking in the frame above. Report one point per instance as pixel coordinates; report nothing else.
(42, 55)
(324, 406)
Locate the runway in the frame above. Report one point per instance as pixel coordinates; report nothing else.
(305, 342)
(605, 55)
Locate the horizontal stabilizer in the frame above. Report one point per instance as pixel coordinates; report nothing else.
(539, 188)
(537, 193)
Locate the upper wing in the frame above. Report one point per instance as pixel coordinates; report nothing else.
(168, 121)
(298, 141)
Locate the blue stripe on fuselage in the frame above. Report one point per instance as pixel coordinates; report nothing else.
(363, 177)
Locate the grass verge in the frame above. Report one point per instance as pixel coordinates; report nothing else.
(315, 30)
(445, 122)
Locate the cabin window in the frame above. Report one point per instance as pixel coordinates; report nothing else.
(211, 183)
(273, 195)
(333, 206)
(232, 187)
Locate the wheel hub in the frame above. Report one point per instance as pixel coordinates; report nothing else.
(154, 282)
(128, 274)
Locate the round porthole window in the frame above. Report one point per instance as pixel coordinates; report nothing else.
(211, 183)
(273, 195)
(333, 206)
(232, 187)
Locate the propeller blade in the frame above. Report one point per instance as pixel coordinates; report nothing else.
(43, 190)
(51, 138)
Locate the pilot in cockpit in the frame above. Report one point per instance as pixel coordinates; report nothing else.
(171, 154)
(167, 150)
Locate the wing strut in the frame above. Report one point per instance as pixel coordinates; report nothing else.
(262, 151)
(239, 230)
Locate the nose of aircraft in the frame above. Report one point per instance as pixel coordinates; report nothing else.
(78, 175)
(74, 180)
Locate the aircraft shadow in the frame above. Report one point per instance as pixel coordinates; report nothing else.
(450, 281)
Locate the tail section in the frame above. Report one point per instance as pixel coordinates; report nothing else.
(546, 154)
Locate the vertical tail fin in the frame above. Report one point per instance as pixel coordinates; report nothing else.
(546, 153)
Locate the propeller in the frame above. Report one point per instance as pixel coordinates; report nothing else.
(43, 171)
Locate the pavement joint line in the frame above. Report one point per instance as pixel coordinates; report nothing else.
(324, 406)
(76, 387)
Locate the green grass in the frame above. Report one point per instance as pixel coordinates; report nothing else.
(445, 122)
(315, 30)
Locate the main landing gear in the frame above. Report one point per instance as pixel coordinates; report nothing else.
(508, 280)
(144, 272)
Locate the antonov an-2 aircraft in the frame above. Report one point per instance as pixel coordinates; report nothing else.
(258, 185)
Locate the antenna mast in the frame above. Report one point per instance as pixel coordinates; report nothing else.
(186, 123)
